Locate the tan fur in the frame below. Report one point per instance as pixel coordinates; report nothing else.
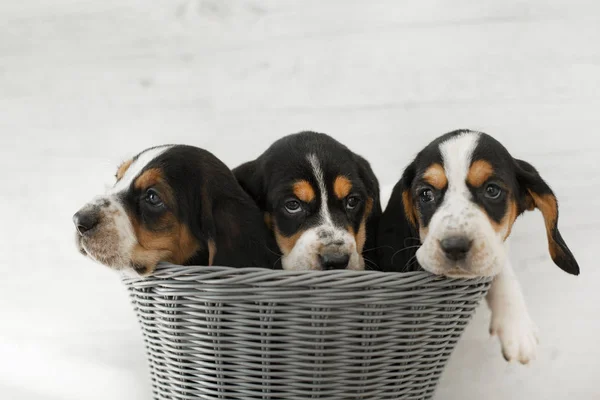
(268, 220)
(409, 208)
(361, 236)
(175, 244)
(172, 240)
(479, 172)
(423, 233)
(304, 191)
(146, 260)
(149, 178)
(507, 222)
(342, 187)
(287, 243)
(436, 176)
(548, 205)
(212, 251)
(122, 169)
(368, 207)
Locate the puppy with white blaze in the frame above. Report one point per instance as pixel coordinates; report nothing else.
(451, 214)
(176, 204)
(320, 200)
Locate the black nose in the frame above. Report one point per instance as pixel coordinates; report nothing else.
(334, 260)
(85, 220)
(456, 247)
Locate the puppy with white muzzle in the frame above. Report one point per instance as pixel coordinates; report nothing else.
(177, 204)
(320, 200)
(451, 214)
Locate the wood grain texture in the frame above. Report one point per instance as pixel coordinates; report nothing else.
(86, 84)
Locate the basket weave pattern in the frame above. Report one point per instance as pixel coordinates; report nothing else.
(224, 333)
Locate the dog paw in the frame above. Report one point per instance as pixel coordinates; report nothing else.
(518, 336)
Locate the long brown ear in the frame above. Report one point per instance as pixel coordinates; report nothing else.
(535, 193)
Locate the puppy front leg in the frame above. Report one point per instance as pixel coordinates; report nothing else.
(510, 319)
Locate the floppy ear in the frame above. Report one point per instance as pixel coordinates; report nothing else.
(373, 211)
(368, 177)
(236, 235)
(535, 193)
(399, 226)
(250, 178)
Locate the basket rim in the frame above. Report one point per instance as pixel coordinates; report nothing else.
(264, 277)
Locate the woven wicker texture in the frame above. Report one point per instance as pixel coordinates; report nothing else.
(223, 333)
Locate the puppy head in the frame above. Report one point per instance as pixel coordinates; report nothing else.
(319, 199)
(159, 209)
(462, 195)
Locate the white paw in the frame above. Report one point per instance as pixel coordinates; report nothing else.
(518, 336)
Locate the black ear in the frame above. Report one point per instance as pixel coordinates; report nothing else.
(534, 192)
(367, 176)
(237, 234)
(399, 226)
(250, 177)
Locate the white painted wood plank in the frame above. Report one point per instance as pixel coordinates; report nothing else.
(83, 84)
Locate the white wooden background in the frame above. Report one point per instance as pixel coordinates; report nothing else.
(83, 84)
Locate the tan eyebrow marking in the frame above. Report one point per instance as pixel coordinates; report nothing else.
(148, 178)
(304, 191)
(123, 168)
(479, 172)
(342, 187)
(436, 176)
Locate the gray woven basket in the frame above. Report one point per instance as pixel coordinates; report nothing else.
(224, 333)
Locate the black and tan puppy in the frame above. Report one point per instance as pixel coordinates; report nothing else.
(320, 200)
(452, 213)
(177, 204)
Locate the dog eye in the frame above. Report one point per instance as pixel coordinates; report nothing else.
(493, 191)
(293, 206)
(352, 202)
(153, 198)
(426, 196)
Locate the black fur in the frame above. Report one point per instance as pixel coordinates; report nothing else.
(528, 178)
(214, 207)
(269, 179)
(398, 239)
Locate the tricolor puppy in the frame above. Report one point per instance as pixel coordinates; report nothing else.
(451, 214)
(177, 204)
(320, 200)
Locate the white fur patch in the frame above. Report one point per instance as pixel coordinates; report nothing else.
(114, 239)
(326, 237)
(458, 215)
(510, 319)
(136, 168)
(318, 174)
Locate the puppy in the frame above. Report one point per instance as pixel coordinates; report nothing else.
(178, 204)
(451, 214)
(320, 200)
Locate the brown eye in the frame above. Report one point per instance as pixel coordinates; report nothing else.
(352, 202)
(153, 199)
(426, 196)
(293, 206)
(493, 191)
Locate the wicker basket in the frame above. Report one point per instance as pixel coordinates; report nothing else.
(224, 333)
